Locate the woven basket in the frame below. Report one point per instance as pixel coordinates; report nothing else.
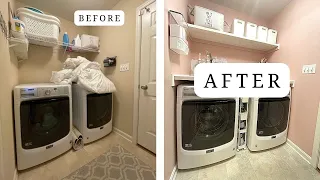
(41, 29)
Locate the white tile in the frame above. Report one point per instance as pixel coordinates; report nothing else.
(281, 163)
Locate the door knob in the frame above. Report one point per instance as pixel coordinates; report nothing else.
(145, 87)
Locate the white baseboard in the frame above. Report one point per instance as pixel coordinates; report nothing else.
(122, 134)
(15, 176)
(304, 155)
(174, 173)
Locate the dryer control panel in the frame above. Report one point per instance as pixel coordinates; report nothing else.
(43, 92)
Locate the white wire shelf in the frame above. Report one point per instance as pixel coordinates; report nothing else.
(59, 45)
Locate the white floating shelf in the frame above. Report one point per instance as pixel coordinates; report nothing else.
(179, 77)
(203, 33)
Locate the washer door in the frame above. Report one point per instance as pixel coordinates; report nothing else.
(207, 123)
(99, 110)
(273, 116)
(44, 121)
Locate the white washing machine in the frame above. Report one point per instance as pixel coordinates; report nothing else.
(43, 122)
(92, 113)
(267, 122)
(206, 128)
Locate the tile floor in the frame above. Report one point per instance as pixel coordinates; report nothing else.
(281, 163)
(65, 164)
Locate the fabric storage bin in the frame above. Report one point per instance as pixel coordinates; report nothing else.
(90, 42)
(262, 33)
(178, 31)
(41, 29)
(272, 36)
(237, 27)
(251, 30)
(208, 18)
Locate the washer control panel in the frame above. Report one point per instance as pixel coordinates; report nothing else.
(43, 92)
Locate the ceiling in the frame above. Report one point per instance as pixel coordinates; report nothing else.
(66, 8)
(264, 9)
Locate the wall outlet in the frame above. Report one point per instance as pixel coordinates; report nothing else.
(124, 67)
(309, 69)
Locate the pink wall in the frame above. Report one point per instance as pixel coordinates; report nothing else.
(298, 26)
(171, 61)
(181, 64)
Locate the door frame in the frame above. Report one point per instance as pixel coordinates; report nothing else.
(136, 85)
(316, 143)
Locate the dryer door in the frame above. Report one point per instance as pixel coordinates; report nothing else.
(99, 110)
(44, 121)
(207, 123)
(273, 116)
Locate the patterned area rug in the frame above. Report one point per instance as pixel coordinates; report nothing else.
(115, 164)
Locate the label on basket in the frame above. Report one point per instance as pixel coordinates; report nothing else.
(99, 18)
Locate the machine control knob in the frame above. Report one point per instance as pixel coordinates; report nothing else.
(47, 92)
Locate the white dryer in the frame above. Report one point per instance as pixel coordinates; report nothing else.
(206, 128)
(43, 122)
(267, 122)
(92, 113)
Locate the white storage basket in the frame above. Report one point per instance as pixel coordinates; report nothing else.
(90, 42)
(41, 29)
(208, 18)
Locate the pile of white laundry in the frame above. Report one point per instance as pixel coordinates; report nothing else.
(85, 73)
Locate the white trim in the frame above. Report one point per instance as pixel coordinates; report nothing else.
(304, 155)
(136, 89)
(174, 173)
(316, 142)
(122, 134)
(15, 175)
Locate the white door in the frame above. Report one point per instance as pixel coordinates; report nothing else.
(147, 91)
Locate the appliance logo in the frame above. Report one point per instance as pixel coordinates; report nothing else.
(188, 145)
(210, 151)
(260, 132)
(50, 146)
(216, 80)
(28, 144)
(99, 18)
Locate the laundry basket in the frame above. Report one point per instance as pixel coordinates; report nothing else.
(41, 29)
